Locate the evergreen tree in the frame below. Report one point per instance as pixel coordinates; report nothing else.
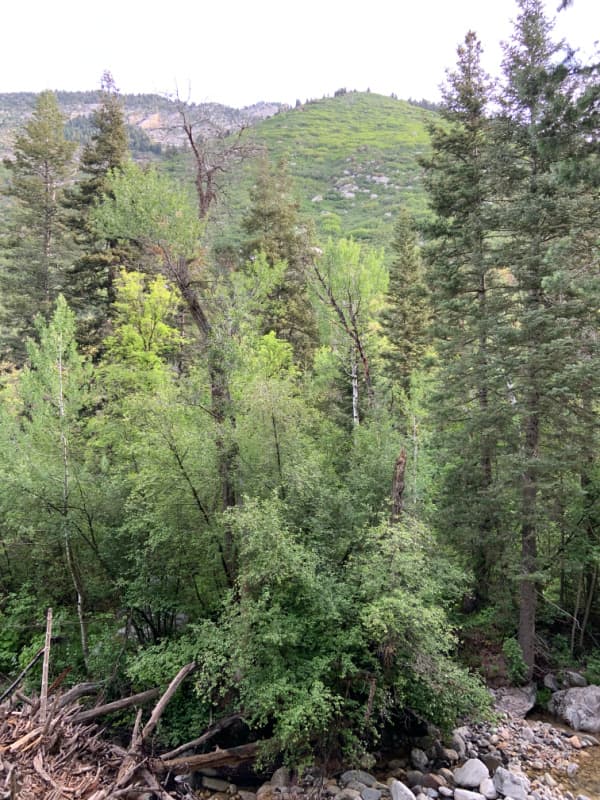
(40, 247)
(406, 316)
(273, 227)
(90, 290)
(552, 309)
(468, 298)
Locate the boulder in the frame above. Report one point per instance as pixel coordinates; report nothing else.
(578, 707)
(551, 682)
(400, 791)
(572, 679)
(471, 773)
(357, 776)
(419, 758)
(487, 789)
(515, 700)
(511, 784)
(281, 777)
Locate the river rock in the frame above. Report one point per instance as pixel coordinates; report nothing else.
(465, 794)
(578, 707)
(348, 794)
(572, 679)
(471, 774)
(359, 776)
(414, 777)
(281, 777)
(487, 789)
(400, 791)
(215, 784)
(418, 758)
(369, 793)
(458, 743)
(510, 784)
(551, 682)
(515, 700)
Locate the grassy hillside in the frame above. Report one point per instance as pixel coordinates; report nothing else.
(354, 159)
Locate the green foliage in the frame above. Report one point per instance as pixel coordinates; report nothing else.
(40, 246)
(517, 668)
(592, 668)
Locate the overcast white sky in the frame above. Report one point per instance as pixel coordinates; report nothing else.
(238, 52)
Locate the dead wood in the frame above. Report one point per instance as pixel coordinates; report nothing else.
(218, 758)
(117, 705)
(62, 754)
(162, 703)
(206, 736)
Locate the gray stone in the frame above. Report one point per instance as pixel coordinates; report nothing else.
(433, 781)
(511, 784)
(429, 792)
(572, 679)
(515, 700)
(356, 785)
(418, 758)
(400, 791)
(492, 762)
(465, 794)
(445, 791)
(447, 775)
(448, 754)
(358, 775)
(572, 769)
(458, 743)
(244, 795)
(578, 707)
(215, 784)
(281, 777)
(551, 682)
(471, 773)
(348, 794)
(487, 789)
(414, 777)
(370, 794)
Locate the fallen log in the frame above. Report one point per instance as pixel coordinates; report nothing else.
(230, 757)
(116, 705)
(219, 726)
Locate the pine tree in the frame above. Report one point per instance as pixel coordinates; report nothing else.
(467, 300)
(273, 227)
(542, 218)
(90, 290)
(406, 316)
(40, 246)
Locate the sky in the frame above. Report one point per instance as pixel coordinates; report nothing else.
(239, 52)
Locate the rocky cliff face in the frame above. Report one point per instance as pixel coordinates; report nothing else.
(158, 117)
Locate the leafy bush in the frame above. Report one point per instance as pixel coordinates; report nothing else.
(516, 666)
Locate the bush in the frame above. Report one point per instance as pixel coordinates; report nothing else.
(515, 664)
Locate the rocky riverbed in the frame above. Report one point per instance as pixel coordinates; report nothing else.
(512, 759)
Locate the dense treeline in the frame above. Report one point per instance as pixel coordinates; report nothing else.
(295, 464)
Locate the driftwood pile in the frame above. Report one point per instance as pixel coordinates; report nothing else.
(52, 749)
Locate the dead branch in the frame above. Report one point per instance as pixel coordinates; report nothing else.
(22, 674)
(164, 700)
(117, 705)
(206, 736)
(216, 759)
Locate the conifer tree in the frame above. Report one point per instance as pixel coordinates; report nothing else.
(90, 290)
(405, 318)
(467, 299)
(552, 308)
(40, 246)
(273, 227)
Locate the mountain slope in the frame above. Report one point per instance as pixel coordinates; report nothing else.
(353, 158)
